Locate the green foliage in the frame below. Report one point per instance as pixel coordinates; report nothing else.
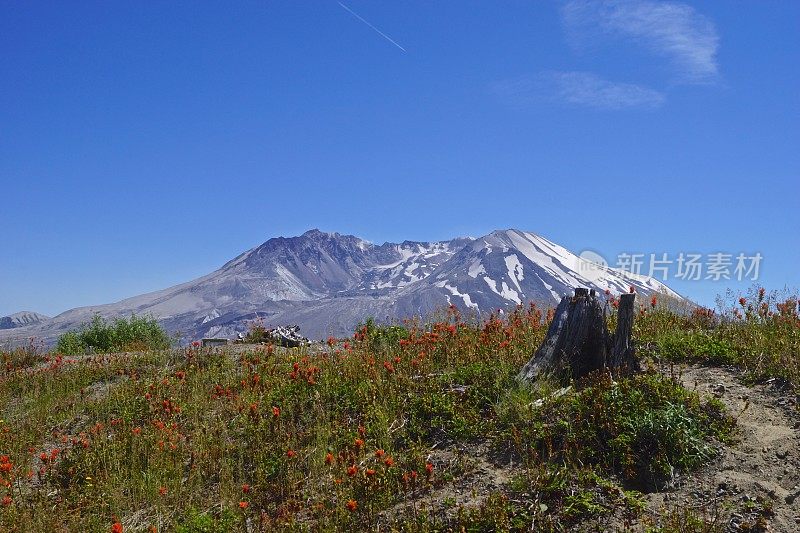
(696, 346)
(758, 331)
(256, 333)
(552, 497)
(123, 334)
(198, 522)
(381, 335)
(686, 520)
(642, 427)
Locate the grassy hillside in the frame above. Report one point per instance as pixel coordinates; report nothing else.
(419, 428)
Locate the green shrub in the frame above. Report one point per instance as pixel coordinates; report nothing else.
(643, 427)
(134, 333)
(696, 346)
(381, 336)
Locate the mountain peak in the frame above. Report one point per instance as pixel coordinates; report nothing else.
(329, 282)
(22, 318)
(317, 233)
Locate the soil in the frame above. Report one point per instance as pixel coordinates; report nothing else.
(754, 484)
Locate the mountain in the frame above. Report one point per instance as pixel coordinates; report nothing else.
(23, 318)
(327, 283)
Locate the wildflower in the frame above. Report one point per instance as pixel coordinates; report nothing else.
(195, 344)
(388, 366)
(352, 505)
(116, 527)
(352, 470)
(137, 431)
(246, 488)
(244, 505)
(388, 461)
(7, 500)
(359, 443)
(429, 469)
(379, 453)
(291, 454)
(328, 458)
(162, 491)
(276, 412)
(742, 302)
(653, 301)
(370, 472)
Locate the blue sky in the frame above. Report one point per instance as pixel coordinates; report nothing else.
(144, 144)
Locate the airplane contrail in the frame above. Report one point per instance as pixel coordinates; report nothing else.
(371, 26)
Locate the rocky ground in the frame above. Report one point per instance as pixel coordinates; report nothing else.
(754, 484)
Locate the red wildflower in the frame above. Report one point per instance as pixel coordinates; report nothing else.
(370, 472)
(291, 454)
(351, 505)
(276, 411)
(429, 469)
(379, 453)
(244, 505)
(352, 470)
(7, 500)
(388, 461)
(162, 491)
(116, 527)
(742, 302)
(653, 301)
(328, 458)
(246, 488)
(359, 443)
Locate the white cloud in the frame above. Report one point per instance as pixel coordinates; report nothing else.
(670, 29)
(579, 89)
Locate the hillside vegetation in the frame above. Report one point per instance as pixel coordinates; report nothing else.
(419, 427)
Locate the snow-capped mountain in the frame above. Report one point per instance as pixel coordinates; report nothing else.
(327, 283)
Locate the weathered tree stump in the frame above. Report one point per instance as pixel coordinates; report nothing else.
(578, 342)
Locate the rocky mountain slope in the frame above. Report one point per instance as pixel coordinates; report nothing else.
(23, 318)
(327, 283)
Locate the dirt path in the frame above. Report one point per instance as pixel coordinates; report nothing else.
(755, 482)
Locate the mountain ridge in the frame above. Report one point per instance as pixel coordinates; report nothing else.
(327, 282)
